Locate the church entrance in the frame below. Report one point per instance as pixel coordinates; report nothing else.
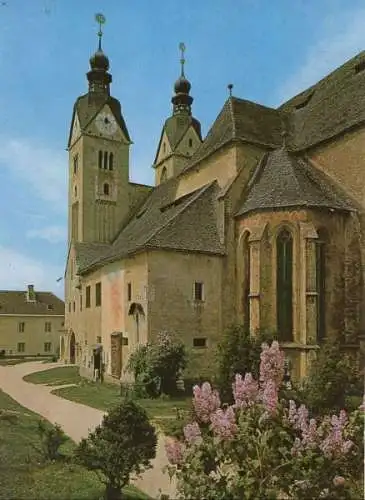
(72, 348)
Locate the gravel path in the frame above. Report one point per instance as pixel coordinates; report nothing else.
(75, 419)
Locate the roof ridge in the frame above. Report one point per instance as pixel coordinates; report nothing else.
(230, 101)
(200, 191)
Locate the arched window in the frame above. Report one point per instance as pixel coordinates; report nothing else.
(100, 163)
(163, 177)
(164, 147)
(111, 159)
(284, 285)
(106, 189)
(246, 279)
(75, 191)
(105, 160)
(321, 283)
(190, 143)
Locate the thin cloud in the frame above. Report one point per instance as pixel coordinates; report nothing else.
(52, 234)
(44, 170)
(18, 270)
(342, 39)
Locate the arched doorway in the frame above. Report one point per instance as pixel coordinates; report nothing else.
(136, 310)
(72, 348)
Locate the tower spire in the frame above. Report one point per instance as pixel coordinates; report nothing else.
(98, 76)
(182, 59)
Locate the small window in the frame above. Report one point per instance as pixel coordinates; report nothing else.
(21, 347)
(106, 189)
(164, 147)
(98, 294)
(47, 347)
(63, 323)
(48, 326)
(76, 163)
(198, 290)
(80, 302)
(105, 160)
(190, 143)
(129, 291)
(87, 301)
(163, 177)
(124, 340)
(100, 162)
(21, 327)
(111, 161)
(98, 339)
(75, 191)
(200, 342)
(74, 306)
(50, 307)
(69, 307)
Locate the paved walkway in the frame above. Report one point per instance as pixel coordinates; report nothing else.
(75, 419)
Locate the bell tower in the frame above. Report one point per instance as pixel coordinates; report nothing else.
(98, 146)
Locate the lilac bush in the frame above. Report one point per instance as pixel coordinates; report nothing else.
(260, 447)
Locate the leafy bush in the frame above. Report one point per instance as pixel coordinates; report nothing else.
(238, 352)
(259, 447)
(123, 444)
(52, 437)
(334, 381)
(157, 365)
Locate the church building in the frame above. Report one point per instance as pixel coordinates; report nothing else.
(259, 223)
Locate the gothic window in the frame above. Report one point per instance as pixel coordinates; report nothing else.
(75, 191)
(190, 143)
(111, 159)
(321, 284)
(100, 162)
(106, 189)
(284, 285)
(164, 147)
(163, 177)
(246, 280)
(105, 160)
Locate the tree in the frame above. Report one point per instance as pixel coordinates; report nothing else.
(260, 447)
(237, 352)
(334, 381)
(157, 364)
(122, 445)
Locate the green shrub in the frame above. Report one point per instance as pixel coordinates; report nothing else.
(52, 437)
(123, 444)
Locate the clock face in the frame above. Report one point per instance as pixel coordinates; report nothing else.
(106, 123)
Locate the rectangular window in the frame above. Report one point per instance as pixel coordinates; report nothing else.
(74, 306)
(87, 301)
(69, 307)
(98, 339)
(200, 342)
(129, 292)
(47, 326)
(21, 327)
(98, 294)
(21, 347)
(198, 290)
(80, 302)
(47, 347)
(124, 340)
(76, 163)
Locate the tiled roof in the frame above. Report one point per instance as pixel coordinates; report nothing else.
(87, 110)
(330, 107)
(15, 302)
(188, 223)
(283, 180)
(85, 253)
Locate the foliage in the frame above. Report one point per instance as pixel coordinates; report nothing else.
(334, 381)
(158, 364)
(52, 438)
(260, 447)
(122, 445)
(238, 352)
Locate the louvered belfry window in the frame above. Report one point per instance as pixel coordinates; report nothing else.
(284, 288)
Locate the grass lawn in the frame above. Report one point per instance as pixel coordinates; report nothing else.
(60, 375)
(23, 474)
(16, 361)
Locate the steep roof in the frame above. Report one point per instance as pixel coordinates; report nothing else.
(87, 109)
(283, 180)
(176, 127)
(188, 223)
(333, 105)
(85, 253)
(15, 302)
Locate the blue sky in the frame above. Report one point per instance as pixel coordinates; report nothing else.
(270, 50)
